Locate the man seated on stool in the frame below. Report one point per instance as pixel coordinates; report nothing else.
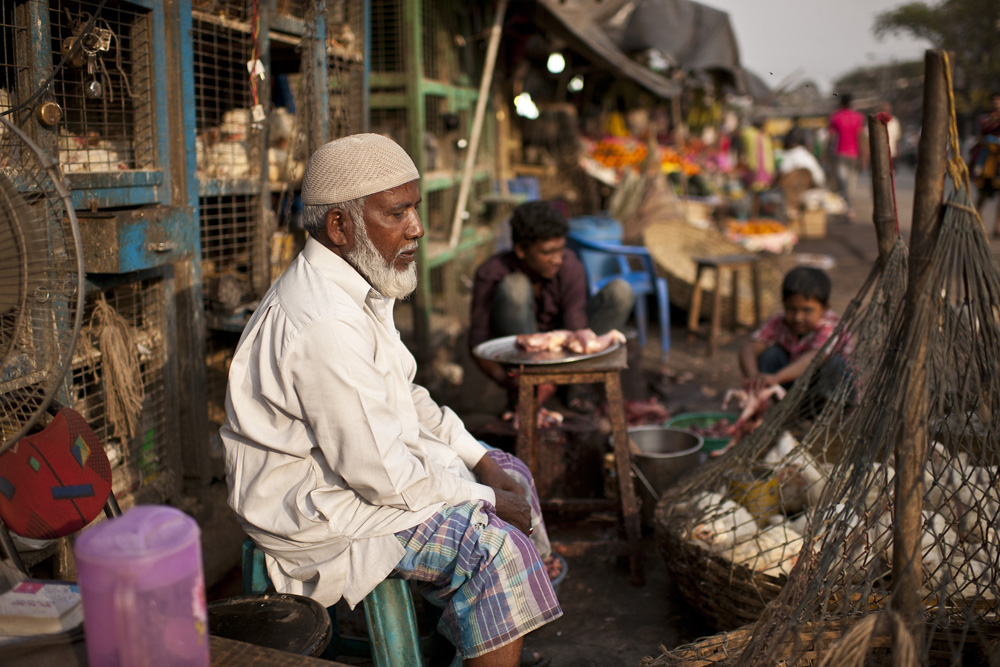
(341, 469)
(539, 285)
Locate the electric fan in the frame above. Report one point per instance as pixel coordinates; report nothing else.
(41, 282)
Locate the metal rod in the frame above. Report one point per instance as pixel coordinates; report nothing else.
(477, 123)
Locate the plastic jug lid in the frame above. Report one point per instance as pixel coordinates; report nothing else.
(143, 531)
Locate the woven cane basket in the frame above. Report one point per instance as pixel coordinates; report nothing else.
(726, 594)
(725, 648)
(673, 246)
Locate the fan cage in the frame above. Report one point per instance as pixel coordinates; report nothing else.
(41, 275)
(145, 463)
(115, 130)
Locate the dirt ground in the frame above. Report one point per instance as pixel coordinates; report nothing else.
(608, 621)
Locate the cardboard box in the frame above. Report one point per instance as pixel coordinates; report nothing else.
(813, 224)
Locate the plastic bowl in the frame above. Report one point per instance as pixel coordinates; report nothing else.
(700, 420)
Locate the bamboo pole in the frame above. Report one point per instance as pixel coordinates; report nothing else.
(477, 123)
(911, 447)
(884, 214)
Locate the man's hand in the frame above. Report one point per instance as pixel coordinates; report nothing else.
(492, 475)
(514, 509)
(511, 504)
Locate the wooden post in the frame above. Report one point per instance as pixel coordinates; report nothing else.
(477, 122)
(884, 215)
(911, 447)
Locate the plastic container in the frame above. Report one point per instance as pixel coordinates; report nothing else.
(664, 454)
(143, 590)
(701, 420)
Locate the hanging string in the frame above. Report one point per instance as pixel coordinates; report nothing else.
(121, 373)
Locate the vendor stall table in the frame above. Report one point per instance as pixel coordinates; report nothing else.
(606, 370)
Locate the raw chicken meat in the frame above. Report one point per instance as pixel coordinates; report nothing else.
(548, 341)
(753, 405)
(582, 341)
(586, 341)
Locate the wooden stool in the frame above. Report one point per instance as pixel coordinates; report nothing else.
(720, 263)
(605, 369)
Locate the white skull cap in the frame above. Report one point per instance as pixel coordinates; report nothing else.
(355, 166)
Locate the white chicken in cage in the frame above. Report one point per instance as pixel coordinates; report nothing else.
(285, 164)
(774, 550)
(721, 522)
(228, 159)
(801, 479)
(90, 153)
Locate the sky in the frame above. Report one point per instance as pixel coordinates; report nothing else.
(816, 40)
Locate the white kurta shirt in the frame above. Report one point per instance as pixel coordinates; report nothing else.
(330, 446)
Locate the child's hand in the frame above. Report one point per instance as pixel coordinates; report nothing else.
(759, 383)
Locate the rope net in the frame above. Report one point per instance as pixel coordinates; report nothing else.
(731, 533)
(887, 571)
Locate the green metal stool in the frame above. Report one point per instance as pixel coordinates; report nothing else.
(392, 623)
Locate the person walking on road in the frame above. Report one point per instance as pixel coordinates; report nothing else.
(846, 126)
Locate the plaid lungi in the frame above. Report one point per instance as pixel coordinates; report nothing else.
(486, 575)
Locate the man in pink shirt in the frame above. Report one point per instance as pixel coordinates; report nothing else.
(846, 126)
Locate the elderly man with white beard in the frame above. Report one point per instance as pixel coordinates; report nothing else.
(341, 469)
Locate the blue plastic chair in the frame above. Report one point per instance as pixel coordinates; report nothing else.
(392, 640)
(604, 261)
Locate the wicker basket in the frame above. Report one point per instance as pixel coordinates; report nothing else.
(673, 246)
(723, 647)
(726, 647)
(727, 595)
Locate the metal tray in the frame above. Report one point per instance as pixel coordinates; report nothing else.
(505, 351)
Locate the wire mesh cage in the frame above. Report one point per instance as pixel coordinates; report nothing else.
(233, 250)
(387, 36)
(229, 143)
(8, 68)
(103, 79)
(230, 148)
(143, 458)
(345, 66)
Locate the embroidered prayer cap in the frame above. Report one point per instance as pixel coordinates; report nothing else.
(355, 166)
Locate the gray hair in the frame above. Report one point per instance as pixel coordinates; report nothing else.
(314, 215)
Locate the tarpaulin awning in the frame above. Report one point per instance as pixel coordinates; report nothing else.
(690, 35)
(582, 24)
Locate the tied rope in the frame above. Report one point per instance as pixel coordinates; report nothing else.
(852, 649)
(957, 169)
(120, 371)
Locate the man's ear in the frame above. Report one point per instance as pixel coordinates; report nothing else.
(336, 220)
(519, 251)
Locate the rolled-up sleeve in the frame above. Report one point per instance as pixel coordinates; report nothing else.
(345, 399)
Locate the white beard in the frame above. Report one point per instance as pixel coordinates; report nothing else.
(381, 275)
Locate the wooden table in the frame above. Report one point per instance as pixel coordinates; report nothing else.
(72, 652)
(606, 370)
(719, 264)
